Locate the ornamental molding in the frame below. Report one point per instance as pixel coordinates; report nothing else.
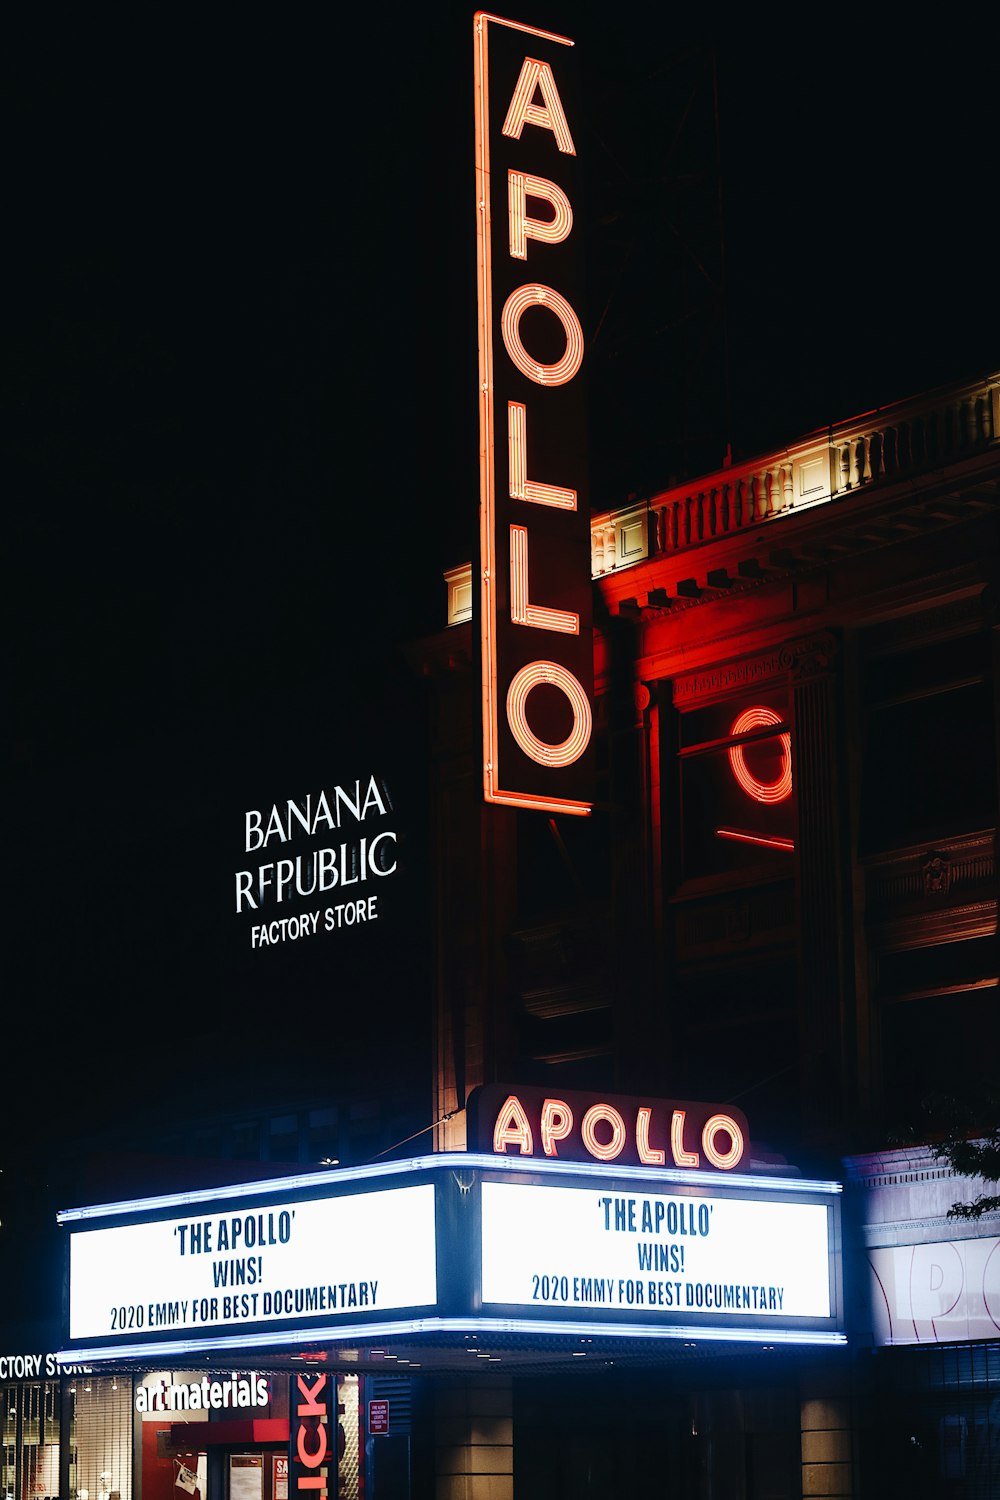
(812, 656)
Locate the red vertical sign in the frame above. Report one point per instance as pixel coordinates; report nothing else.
(535, 577)
(312, 1465)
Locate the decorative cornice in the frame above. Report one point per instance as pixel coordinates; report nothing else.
(733, 675)
(798, 660)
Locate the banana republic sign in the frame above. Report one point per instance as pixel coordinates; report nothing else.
(535, 581)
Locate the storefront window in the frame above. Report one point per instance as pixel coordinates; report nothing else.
(101, 1441)
(930, 768)
(29, 1422)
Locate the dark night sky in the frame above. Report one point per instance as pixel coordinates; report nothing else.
(244, 419)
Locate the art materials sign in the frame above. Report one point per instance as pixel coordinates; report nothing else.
(535, 571)
(274, 1263)
(697, 1258)
(210, 1393)
(633, 1131)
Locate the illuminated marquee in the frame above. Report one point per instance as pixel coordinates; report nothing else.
(681, 1258)
(534, 598)
(630, 1131)
(450, 1246)
(339, 1257)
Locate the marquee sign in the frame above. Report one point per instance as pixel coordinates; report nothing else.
(695, 1259)
(535, 574)
(274, 1263)
(446, 1247)
(638, 1131)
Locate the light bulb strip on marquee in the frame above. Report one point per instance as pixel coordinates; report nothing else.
(535, 586)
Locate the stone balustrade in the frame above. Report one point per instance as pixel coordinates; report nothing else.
(892, 442)
(822, 467)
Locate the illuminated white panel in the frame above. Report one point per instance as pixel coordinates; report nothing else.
(654, 1254)
(270, 1262)
(937, 1292)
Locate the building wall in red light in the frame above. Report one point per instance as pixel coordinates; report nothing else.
(786, 891)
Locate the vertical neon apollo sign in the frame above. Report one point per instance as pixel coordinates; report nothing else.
(534, 597)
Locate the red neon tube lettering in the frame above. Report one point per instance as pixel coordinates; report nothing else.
(650, 1156)
(589, 1133)
(724, 1160)
(557, 1122)
(534, 294)
(521, 611)
(576, 742)
(760, 717)
(537, 77)
(521, 487)
(521, 226)
(681, 1157)
(512, 1128)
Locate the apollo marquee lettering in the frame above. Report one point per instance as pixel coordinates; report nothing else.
(577, 1127)
(534, 597)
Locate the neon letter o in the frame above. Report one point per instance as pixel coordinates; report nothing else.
(618, 1132)
(536, 295)
(761, 791)
(576, 742)
(723, 1160)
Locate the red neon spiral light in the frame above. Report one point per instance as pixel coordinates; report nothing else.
(761, 791)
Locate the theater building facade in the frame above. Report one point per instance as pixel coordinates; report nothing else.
(713, 809)
(681, 1225)
(784, 899)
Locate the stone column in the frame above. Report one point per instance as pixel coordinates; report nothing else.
(474, 1438)
(827, 1448)
(821, 904)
